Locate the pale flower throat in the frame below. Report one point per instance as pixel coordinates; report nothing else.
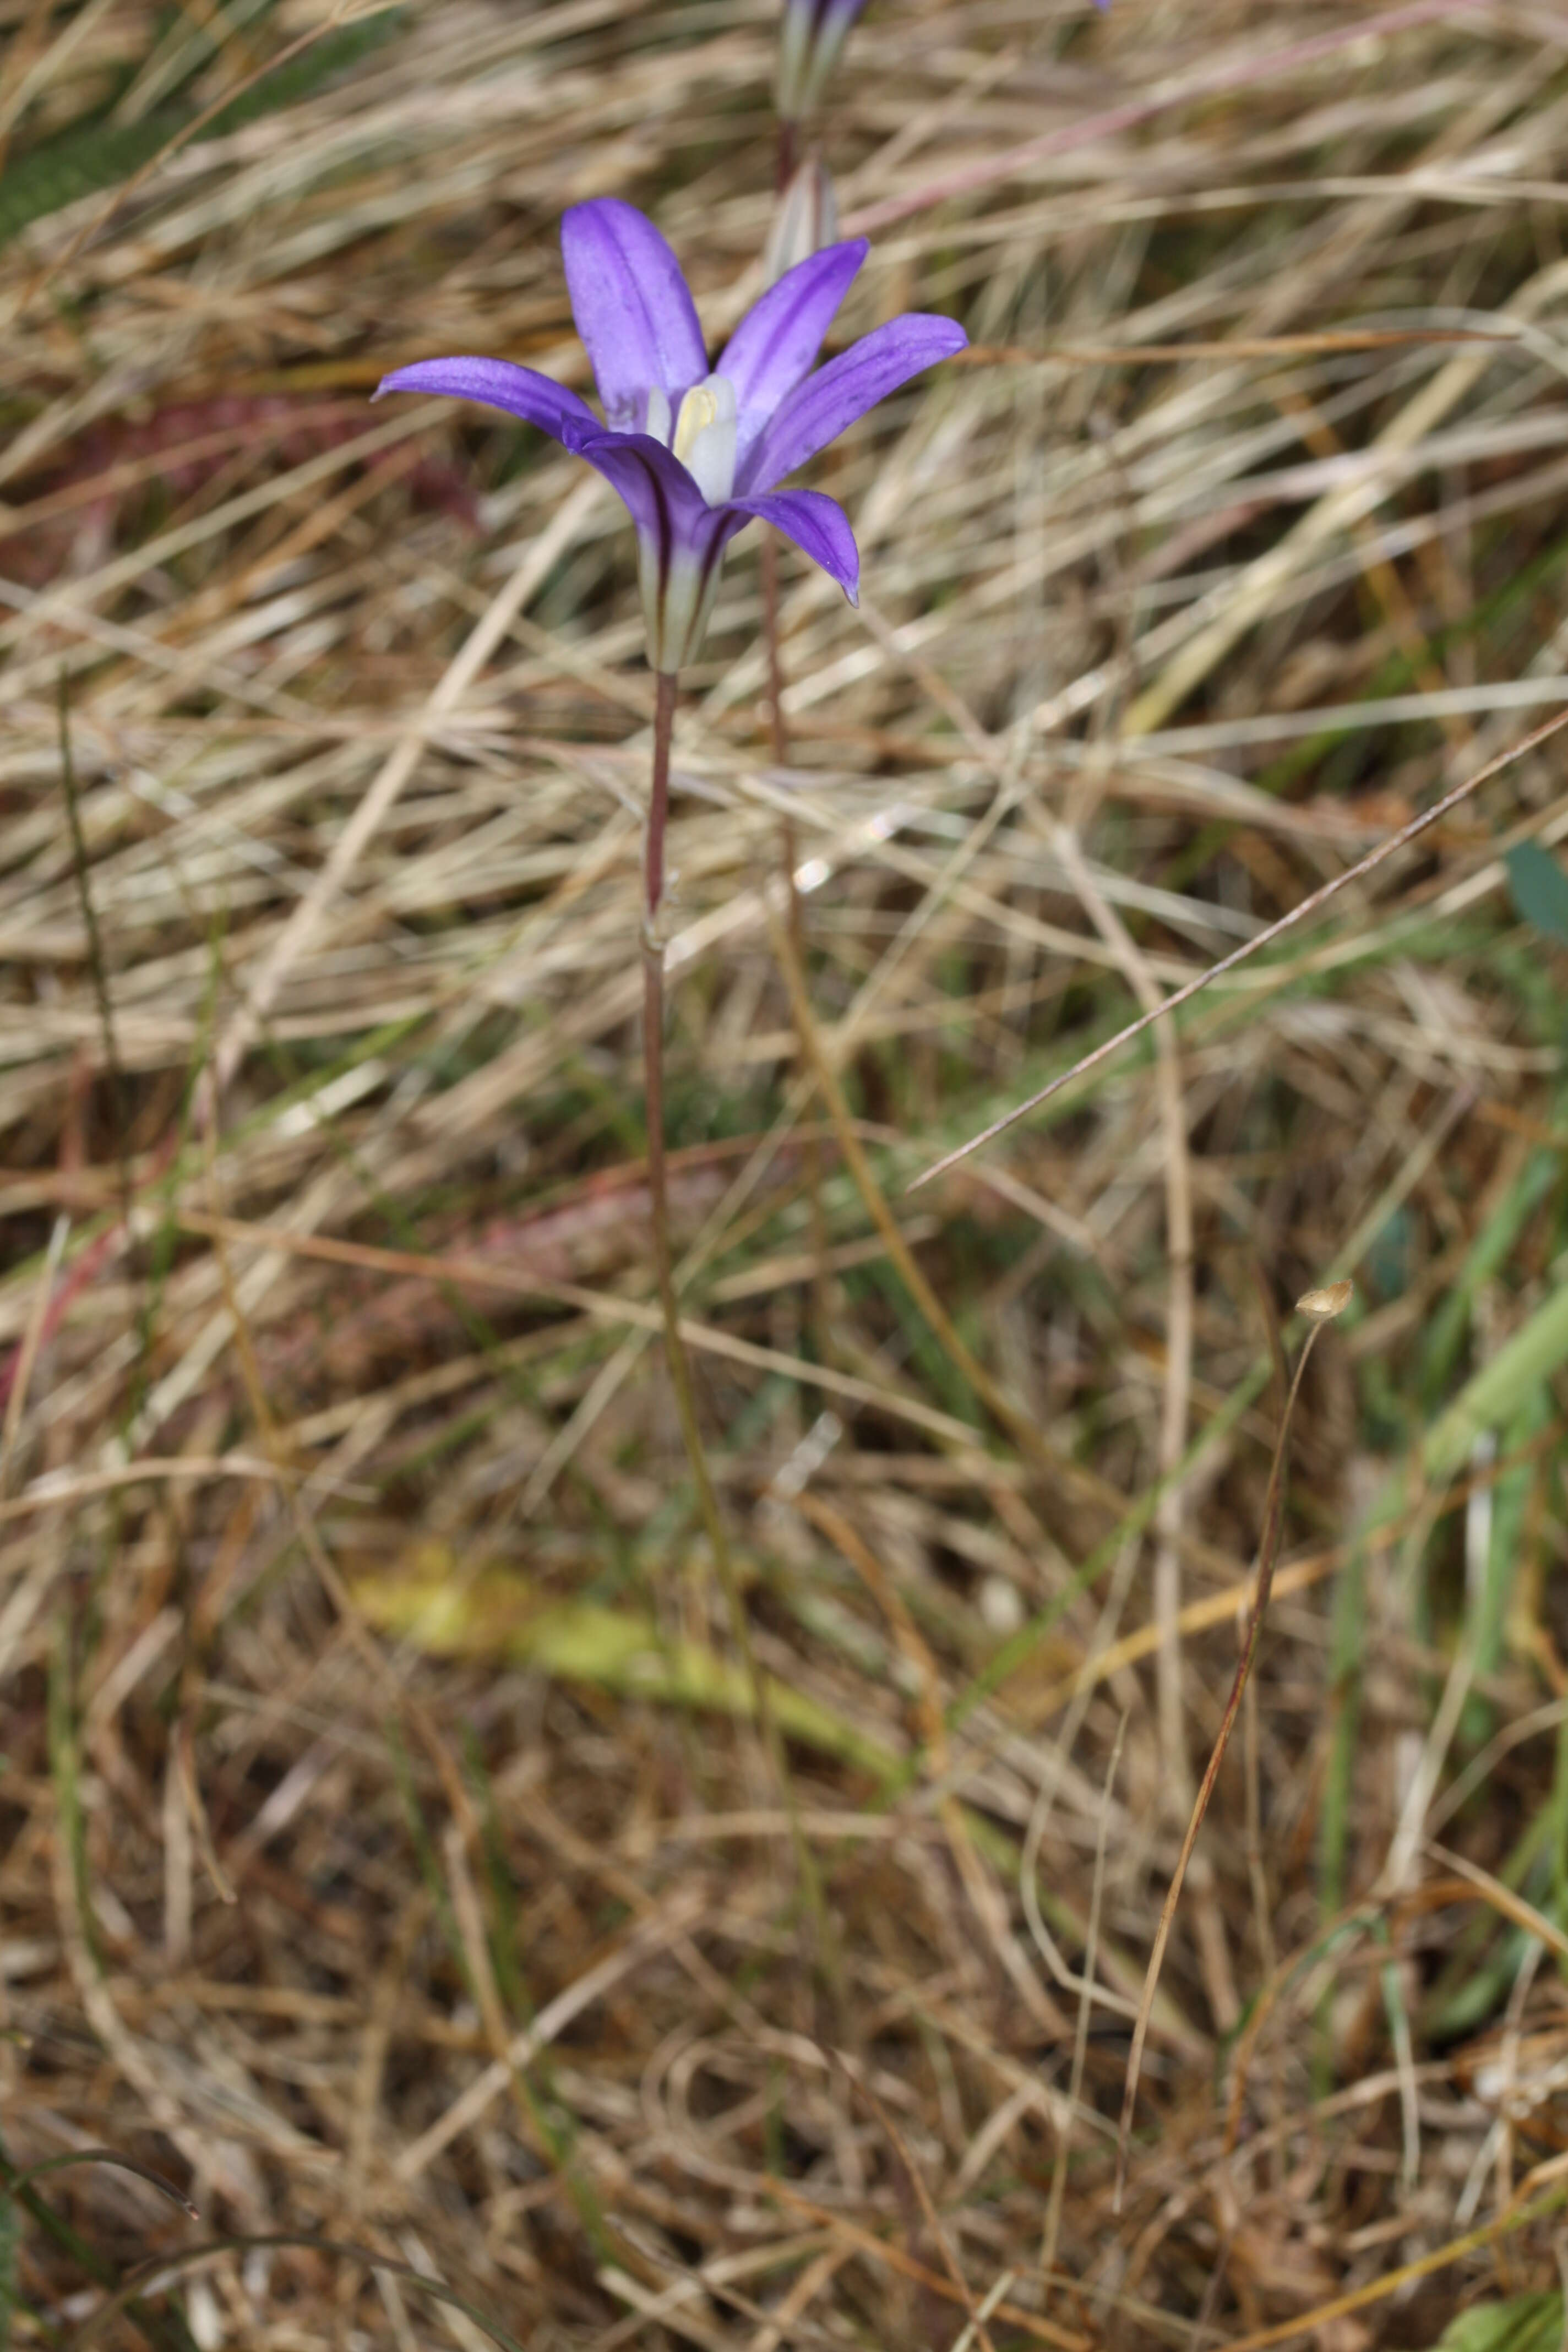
(704, 435)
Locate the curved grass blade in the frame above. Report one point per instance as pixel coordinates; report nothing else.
(169, 2334)
(152, 2276)
(108, 2156)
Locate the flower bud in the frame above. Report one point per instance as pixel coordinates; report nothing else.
(811, 35)
(805, 220)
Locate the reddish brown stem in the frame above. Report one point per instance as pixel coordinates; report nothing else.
(675, 1351)
(658, 799)
(658, 1170)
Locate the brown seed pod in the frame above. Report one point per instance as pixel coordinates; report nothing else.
(1322, 1306)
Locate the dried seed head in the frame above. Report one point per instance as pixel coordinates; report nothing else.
(1322, 1306)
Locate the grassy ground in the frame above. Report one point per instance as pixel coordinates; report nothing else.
(389, 1861)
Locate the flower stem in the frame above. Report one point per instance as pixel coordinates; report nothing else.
(657, 1171)
(676, 1355)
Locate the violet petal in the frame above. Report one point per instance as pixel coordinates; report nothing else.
(655, 488)
(820, 408)
(774, 347)
(521, 392)
(633, 308)
(819, 526)
(680, 539)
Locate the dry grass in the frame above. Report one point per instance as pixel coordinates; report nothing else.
(386, 1854)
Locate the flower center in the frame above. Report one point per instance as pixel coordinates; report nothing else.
(704, 439)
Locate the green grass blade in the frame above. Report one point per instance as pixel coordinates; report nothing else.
(1500, 1389)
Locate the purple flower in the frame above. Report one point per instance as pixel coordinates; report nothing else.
(696, 455)
(812, 33)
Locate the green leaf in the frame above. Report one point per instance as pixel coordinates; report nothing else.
(1540, 889)
(1524, 2323)
(334, 53)
(495, 1614)
(91, 158)
(81, 163)
(1501, 1388)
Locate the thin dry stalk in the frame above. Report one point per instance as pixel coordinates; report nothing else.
(1321, 1306)
(1266, 937)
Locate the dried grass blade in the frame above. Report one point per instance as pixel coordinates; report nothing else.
(1298, 914)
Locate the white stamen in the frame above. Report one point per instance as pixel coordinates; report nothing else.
(698, 410)
(705, 436)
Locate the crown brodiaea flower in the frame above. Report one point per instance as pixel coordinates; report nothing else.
(696, 452)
